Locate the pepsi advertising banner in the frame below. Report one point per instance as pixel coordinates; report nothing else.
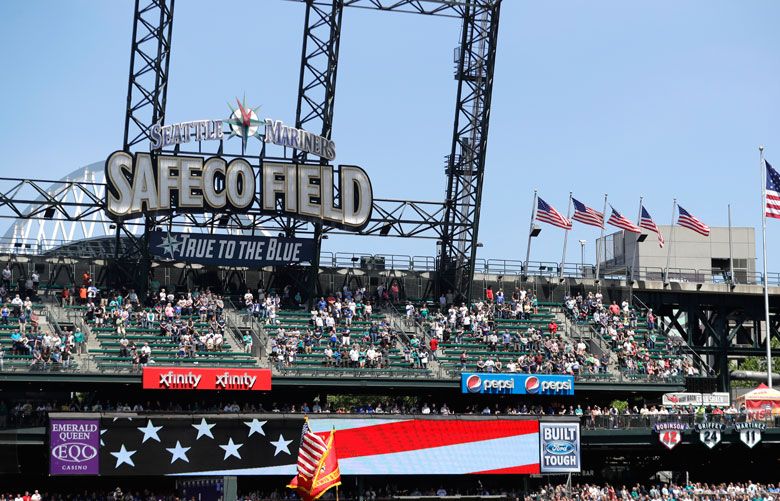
(516, 384)
(559, 447)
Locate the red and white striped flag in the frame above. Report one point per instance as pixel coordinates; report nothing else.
(547, 213)
(687, 220)
(647, 223)
(772, 201)
(585, 214)
(616, 219)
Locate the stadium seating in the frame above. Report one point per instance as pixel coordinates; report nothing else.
(642, 350)
(288, 333)
(164, 349)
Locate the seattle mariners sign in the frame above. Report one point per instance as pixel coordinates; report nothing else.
(169, 182)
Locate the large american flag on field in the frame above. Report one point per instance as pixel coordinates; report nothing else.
(772, 201)
(687, 220)
(210, 445)
(546, 213)
(585, 214)
(616, 219)
(647, 223)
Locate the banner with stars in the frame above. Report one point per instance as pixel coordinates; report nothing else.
(163, 445)
(267, 444)
(230, 250)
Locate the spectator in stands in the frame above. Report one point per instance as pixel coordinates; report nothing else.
(7, 276)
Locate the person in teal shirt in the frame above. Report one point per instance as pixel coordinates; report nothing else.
(79, 339)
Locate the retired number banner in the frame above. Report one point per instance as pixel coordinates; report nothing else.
(230, 250)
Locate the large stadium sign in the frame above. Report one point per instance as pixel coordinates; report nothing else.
(192, 184)
(138, 185)
(267, 444)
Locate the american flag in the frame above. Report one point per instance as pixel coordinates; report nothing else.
(546, 213)
(689, 221)
(772, 192)
(616, 219)
(312, 448)
(647, 223)
(585, 214)
(262, 444)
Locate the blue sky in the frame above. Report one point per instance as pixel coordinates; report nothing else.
(659, 99)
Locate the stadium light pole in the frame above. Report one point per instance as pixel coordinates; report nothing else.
(582, 256)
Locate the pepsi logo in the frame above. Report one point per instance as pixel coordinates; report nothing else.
(532, 385)
(473, 383)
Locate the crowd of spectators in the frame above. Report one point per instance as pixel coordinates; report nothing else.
(192, 321)
(45, 347)
(619, 326)
(695, 491)
(543, 349)
(331, 330)
(690, 491)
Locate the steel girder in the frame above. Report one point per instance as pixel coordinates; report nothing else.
(445, 8)
(453, 223)
(150, 57)
(466, 161)
(717, 326)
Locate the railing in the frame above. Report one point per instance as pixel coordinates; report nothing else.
(512, 267)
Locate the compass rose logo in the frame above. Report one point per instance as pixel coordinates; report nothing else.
(243, 122)
(170, 245)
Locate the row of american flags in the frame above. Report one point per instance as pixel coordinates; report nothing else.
(586, 215)
(589, 216)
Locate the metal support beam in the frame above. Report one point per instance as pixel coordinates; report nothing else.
(316, 96)
(147, 93)
(466, 161)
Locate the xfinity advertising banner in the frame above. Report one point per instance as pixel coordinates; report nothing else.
(516, 384)
(74, 445)
(559, 447)
(206, 378)
(230, 250)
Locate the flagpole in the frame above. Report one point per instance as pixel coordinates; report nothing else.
(530, 230)
(565, 238)
(671, 241)
(732, 279)
(766, 282)
(600, 240)
(636, 243)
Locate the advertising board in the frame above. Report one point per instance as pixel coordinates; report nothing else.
(516, 384)
(559, 447)
(194, 378)
(74, 446)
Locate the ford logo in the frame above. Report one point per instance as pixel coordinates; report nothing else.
(74, 452)
(559, 447)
